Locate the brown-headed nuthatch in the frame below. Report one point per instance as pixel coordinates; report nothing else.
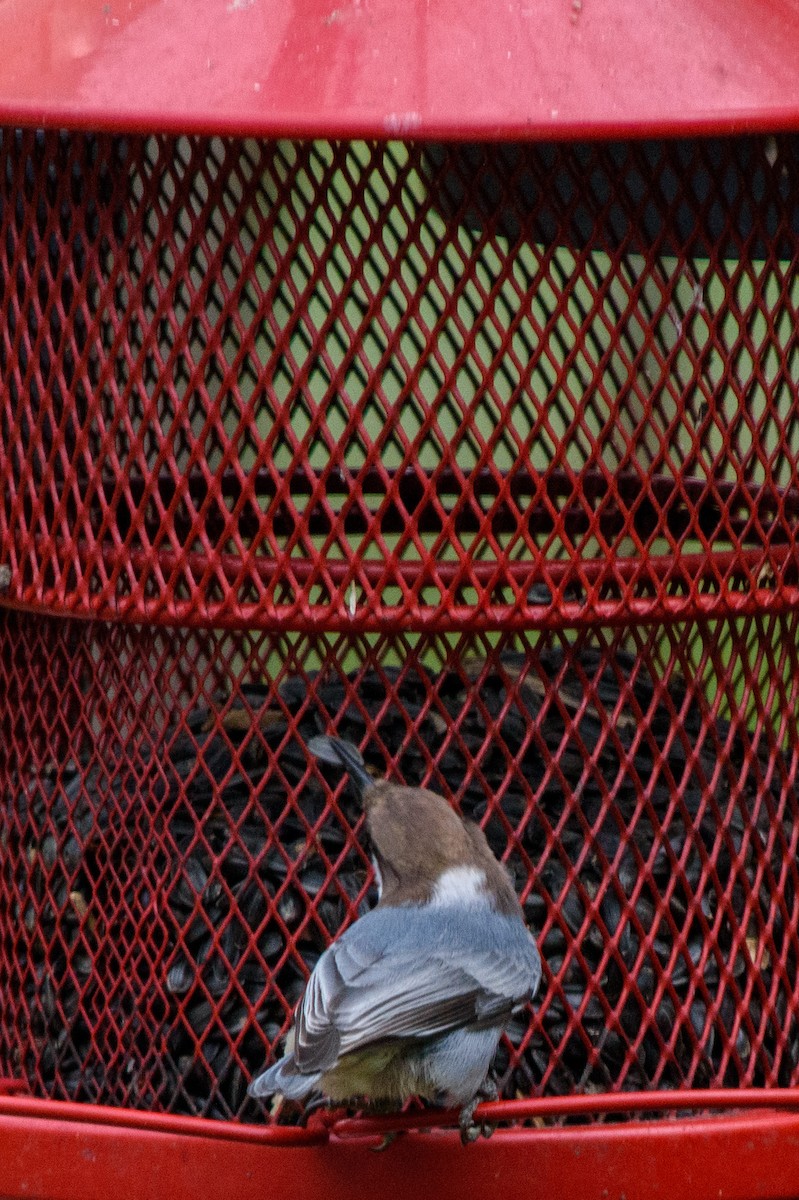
(411, 1000)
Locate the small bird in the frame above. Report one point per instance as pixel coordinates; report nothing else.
(412, 999)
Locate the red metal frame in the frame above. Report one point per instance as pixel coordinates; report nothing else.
(98, 510)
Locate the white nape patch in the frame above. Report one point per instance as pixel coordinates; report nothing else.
(378, 878)
(460, 885)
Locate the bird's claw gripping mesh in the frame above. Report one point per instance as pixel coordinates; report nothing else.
(484, 458)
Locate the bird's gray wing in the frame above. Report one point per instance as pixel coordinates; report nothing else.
(412, 973)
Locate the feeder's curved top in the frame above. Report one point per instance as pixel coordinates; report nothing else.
(441, 68)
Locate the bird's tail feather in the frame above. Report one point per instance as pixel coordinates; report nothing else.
(342, 754)
(284, 1079)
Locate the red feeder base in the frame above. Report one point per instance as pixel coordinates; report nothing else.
(96, 1154)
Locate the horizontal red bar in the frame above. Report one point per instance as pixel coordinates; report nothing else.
(686, 571)
(543, 1107)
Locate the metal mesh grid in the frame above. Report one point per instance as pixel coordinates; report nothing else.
(173, 863)
(483, 457)
(253, 382)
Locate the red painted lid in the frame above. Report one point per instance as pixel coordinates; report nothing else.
(460, 68)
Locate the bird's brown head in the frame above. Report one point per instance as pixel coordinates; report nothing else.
(424, 851)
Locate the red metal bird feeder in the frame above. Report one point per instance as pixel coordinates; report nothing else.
(426, 375)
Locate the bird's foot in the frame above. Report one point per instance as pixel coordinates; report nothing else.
(387, 1140)
(313, 1105)
(488, 1089)
(380, 1108)
(470, 1129)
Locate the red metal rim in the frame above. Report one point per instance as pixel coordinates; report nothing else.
(355, 68)
(739, 1157)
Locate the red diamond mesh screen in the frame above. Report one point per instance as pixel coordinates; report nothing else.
(483, 457)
